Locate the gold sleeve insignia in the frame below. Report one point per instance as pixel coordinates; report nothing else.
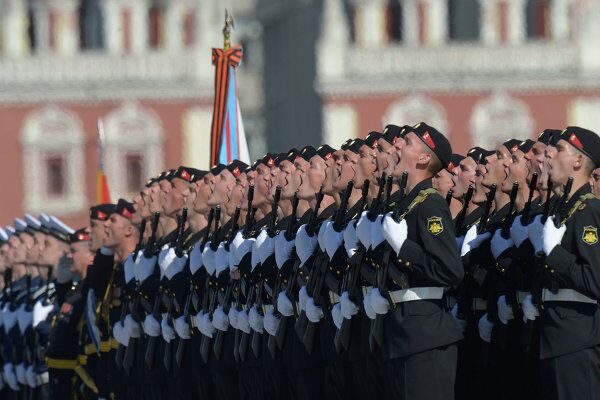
(590, 235)
(434, 225)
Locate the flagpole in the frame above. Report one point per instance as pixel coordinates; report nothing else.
(103, 194)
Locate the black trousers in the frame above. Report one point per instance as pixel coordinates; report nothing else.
(428, 375)
(572, 376)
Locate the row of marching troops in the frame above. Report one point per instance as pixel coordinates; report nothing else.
(387, 268)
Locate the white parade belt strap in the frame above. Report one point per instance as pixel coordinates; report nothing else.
(417, 293)
(566, 295)
(479, 304)
(521, 296)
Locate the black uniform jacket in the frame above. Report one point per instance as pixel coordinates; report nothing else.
(429, 257)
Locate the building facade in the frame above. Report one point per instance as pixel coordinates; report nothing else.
(143, 67)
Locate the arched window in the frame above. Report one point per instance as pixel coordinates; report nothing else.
(134, 138)
(91, 24)
(414, 109)
(499, 118)
(463, 19)
(394, 20)
(156, 20)
(53, 162)
(538, 19)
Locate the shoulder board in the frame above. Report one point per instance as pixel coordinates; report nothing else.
(421, 197)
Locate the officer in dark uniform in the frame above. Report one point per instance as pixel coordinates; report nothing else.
(420, 336)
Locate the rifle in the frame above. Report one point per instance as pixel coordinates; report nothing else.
(342, 335)
(546, 212)
(559, 211)
(489, 202)
(511, 206)
(291, 283)
(289, 235)
(527, 208)
(449, 196)
(460, 219)
(130, 350)
(205, 340)
(376, 333)
(220, 335)
(256, 336)
(338, 226)
(375, 205)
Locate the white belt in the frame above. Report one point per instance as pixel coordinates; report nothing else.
(521, 296)
(417, 293)
(366, 290)
(566, 295)
(333, 297)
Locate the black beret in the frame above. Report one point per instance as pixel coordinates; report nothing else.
(478, 154)
(454, 161)
(150, 182)
(435, 140)
(346, 144)
(80, 235)
(125, 208)
(405, 130)
(325, 151)
(372, 139)
(584, 140)
(549, 137)
(512, 145)
(391, 133)
(236, 167)
(292, 154)
(216, 169)
(526, 145)
(268, 160)
(185, 173)
(168, 175)
(308, 152)
(280, 157)
(198, 174)
(355, 145)
(102, 212)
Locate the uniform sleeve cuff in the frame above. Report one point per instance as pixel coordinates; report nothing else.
(410, 253)
(559, 260)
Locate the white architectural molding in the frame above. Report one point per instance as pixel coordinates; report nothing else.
(46, 133)
(517, 25)
(13, 28)
(416, 108)
(340, 122)
(333, 41)
(583, 111)
(560, 12)
(498, 118)
(132, 129)
(410, 22)
(66, 26)
(370, 22)
(490, 24)
(437, 22)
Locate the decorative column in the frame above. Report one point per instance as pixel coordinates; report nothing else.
(490, 23)
(333, 41)
(559, 19)
(174, 25)
(517, 24)
(113, 26)
(13, 28)
(410, 22)
(64, 26)
(437, 22)
(138, 29)
(370, 23)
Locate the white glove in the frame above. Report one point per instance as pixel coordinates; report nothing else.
(336, 315)
(350, 239)
(552, 235)
(379, 303)
(30, 377)
(161, 256)
(168, 333)
(377, 231)
(459, 241)
(129, 268)
(221, 258)
(462, 324)
(535, 232)
(220, 320)
(208, 256)
(144, 267)
(518, 232)
(305, 245)
(313, 313)
(243, 322)
(271, 323)
(243, 249)
(256, 320)
(235, 244)
(10, 377)
(283, 249)
(302, 298)
(363, 230)
(367, 305)
(182, 327)
(499, 244)
(332, 239)
(347, 306)
(394, 232)
(264, 245)
(284, 304)
(120, 334)
(505, 312)
(22, 374)
(485, 328)
(131, 328)
(24, 318)
(530, 311)
(9, 318)
(205, 325)
(233, 317)
(151, 326)
(473, 240)
(196, 261)
(172, 265)
(321, 234)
